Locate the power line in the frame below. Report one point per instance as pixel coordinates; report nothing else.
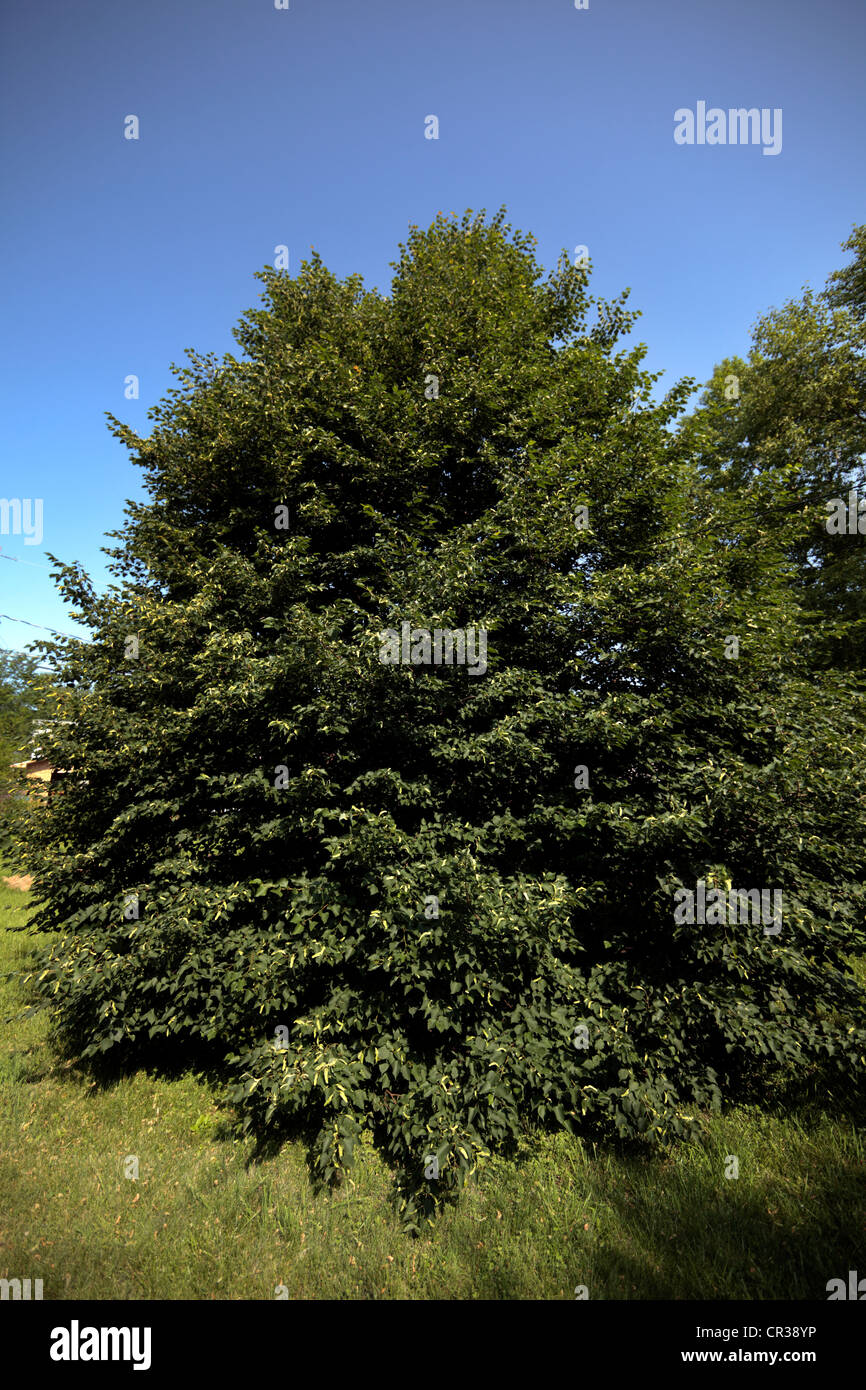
(41, 626)
(32, 563)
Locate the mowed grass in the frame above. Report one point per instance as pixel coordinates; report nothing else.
(204, 1221)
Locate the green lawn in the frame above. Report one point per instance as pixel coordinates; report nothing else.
(202, 1221)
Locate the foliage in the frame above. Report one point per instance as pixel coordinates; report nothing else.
(285, 808)
(206, 1221)
(781, 436)
(25, 699)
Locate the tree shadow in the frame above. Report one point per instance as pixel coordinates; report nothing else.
(720, 1240)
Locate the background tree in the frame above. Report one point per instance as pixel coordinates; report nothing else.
(404, 898)
(18, 701)
(25, 703)
(781, 435)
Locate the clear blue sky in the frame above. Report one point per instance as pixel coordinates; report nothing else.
(305, 127)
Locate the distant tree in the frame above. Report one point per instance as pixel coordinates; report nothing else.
(18, 701)
(439, 903)
(781, 437)
(24, 700)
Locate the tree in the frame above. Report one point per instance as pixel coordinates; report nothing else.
(426, 900)
(846, 288)
(781, 441)
(25, 702)
(18, 704)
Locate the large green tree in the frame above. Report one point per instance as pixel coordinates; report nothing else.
(418, 899)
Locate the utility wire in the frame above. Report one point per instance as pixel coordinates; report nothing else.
(41, 626)
(32, 563)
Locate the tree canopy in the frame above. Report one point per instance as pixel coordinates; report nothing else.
(412, 899)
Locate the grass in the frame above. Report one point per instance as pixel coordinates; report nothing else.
(202, 1221)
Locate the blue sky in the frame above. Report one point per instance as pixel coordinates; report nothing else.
(305, 127)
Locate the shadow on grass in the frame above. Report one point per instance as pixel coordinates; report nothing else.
(732, 1243)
